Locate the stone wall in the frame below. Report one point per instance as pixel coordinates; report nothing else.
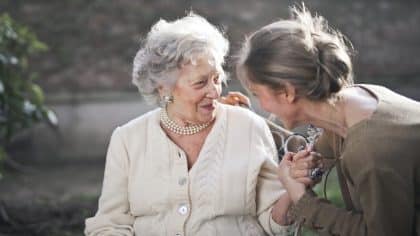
(86, 72)
(92, 42)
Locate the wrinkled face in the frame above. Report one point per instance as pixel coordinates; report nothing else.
(277, 103)
(196, 91)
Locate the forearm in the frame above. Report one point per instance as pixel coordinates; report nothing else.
(378, 215)
(319, 214)
(322, 216)
(280, 209)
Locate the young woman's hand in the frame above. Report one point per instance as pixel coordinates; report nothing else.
(295, 170)
(303, 165)
(236, 99)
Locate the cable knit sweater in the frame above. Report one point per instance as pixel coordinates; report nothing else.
(230, 190)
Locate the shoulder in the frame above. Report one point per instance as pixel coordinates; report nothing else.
(241, 116)
(393, 104)
(249, 125)
(139, 125)
(141, 120)
(246, 122)
(370, 150)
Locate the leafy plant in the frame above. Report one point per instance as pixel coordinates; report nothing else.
(21, 99)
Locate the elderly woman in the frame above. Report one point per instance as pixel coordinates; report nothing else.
(195, 166)
(300, 70)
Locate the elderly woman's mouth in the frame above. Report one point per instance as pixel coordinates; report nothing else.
(209, 107)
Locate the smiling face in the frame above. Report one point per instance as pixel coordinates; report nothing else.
(196, 92)
(283, 104)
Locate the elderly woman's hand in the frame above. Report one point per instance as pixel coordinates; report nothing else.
(236, 99)
(295, 188)
(294, 172)
(302, 166)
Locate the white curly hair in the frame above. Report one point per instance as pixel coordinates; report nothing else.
(168, 46)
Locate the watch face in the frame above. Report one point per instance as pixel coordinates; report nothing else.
(295, 143)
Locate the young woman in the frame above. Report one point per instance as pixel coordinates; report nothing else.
(300, 70)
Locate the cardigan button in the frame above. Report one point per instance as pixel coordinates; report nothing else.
(182, 181)
(183, 209)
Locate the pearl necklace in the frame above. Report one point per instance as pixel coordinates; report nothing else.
(183, 130)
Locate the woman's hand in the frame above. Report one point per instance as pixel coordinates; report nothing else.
(295, 188)
(304, 162)
(236, 99)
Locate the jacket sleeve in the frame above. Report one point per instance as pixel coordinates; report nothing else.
(385, 194)
(268, 186)
(113, 216)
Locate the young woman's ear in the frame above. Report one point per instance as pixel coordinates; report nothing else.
(290, 93)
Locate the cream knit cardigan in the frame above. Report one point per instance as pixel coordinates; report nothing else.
(230, 190)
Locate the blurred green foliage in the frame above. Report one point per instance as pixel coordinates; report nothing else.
(21, 99)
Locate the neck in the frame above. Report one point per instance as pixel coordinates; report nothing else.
(172, 126)
(329, 116)
(176, 116)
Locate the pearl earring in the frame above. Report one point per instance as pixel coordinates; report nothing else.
(165, 100)
(168, 99)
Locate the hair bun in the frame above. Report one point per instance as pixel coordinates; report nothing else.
(303, 51)
(333, 69)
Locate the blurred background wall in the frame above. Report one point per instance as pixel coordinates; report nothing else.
(87, 71)
(86, 75)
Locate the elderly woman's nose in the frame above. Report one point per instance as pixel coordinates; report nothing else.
(213, 91)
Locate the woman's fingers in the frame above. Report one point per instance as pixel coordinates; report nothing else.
(296, 173)
(284, 166)
(302, 169)
(300, 166)
(307, 156)
(317, 156)
(306, 181)
(225, 100)
(239, 98)
(288, 156)
(304, 165)
(308, 162)
(300, 155)
(230, 100)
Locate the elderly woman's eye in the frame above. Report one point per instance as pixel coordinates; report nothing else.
(200, 82)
